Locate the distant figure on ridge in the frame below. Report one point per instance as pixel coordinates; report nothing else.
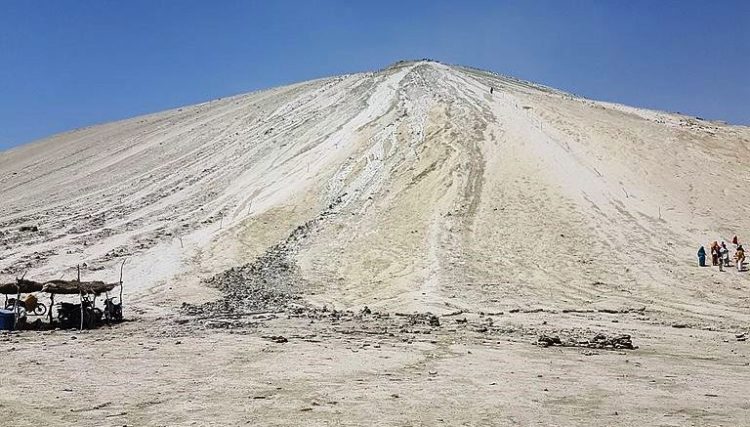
(702, 256)
(492, 90)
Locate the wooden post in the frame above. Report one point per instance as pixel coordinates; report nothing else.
(121, 267)
(107, 305)
(80, 293)
(51, 304)
(17, 306)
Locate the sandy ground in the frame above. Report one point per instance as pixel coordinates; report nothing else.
(527, 212)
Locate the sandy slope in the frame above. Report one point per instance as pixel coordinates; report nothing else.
(430, 194)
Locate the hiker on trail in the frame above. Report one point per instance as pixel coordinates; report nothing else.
(702, 256)
(492, 89)
(739, 257)
(735, 242)
(715, 253)
(724, 254)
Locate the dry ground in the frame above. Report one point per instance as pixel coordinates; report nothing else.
(351, 374)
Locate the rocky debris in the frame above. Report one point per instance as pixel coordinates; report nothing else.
(269, 283)
(639, 310)
(28, 229)
(118, 252)
(421, 319)
(599, 341)
(349, 322)
(228, 324)
(618, 342)
(529, 310)
(547, 341)
(276, 338)
(266, 284)
(29, 261)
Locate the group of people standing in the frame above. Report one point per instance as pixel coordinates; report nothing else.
(720, 255)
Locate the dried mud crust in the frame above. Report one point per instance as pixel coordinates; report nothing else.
(270, 283)
(268, 289)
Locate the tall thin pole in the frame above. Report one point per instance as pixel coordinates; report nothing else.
(80, 295)
(17, 306)
(121, 267)
(51, 304)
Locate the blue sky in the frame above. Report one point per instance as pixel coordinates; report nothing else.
(67, 64)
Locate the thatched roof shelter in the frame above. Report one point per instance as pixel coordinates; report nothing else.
(76, 287)
(21, 285)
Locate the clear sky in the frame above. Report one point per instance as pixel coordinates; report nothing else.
(67, 64)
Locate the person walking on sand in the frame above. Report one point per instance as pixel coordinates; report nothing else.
(715, 254)
(724, 254)
(739, 257)
(702, 256)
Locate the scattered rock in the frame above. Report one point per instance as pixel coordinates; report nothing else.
(599, 341)
(546, 341)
